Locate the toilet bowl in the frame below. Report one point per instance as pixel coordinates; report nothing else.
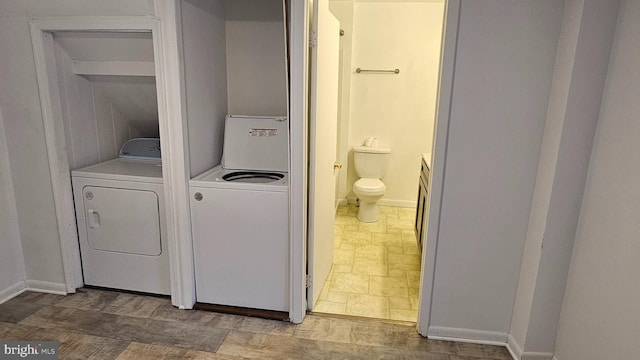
(370, 163)
(369, 191)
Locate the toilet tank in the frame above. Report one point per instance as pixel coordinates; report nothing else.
(371, 162)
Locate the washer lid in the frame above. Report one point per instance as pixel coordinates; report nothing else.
(256, 143)
(141, 149)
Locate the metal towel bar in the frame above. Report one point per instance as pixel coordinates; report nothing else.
(394, 71)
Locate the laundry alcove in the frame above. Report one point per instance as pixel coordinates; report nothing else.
(109, 112)
(107, 92)
(235, 67)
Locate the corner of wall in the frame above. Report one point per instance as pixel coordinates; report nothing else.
(12, 291)
(514, 348)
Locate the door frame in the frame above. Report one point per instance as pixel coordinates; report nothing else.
(299, 157)
(299, 40)
(438, 162)
(169, 90)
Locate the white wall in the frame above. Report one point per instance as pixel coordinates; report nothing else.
(600, 317)
(95, 129)
(398, 109)
(205, 67)
(256, 64)
(24, 130)
(12, 271)
(504, 66)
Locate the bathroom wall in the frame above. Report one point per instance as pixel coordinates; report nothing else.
(95, 129)
(398, 109)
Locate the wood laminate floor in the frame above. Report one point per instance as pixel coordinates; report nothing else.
(100, 324)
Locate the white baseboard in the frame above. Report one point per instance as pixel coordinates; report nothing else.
(46, 287)
(536, 356)
(342, 202)
(384, 202)
(398, 203)
(516, 352)
(12, 291)
(467, 335)
(514, 349)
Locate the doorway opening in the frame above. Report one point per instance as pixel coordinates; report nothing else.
(375, 266)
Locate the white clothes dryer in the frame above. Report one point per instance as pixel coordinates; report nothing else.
(120, 212)
(240, 218)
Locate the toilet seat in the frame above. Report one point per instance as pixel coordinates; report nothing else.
(369, 186)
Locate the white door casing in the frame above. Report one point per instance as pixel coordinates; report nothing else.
(325, 41)
(171, 134)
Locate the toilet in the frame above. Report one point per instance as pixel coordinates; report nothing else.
(370, 163)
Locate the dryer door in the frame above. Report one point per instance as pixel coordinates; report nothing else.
(122, 220)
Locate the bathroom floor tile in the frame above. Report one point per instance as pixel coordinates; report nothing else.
(386, 239)
(351, 283)
(330, 307)
(376, 266)
(365, 266)
(388, 286)
(356, 237)
(368, 306)
(343, 256)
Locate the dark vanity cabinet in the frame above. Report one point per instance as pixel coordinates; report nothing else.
(423, 207)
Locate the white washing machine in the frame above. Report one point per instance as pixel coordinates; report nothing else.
(240, 218)
(120, 214)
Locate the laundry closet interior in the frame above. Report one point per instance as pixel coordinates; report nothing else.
(234, 65)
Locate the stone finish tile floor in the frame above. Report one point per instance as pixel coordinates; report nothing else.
(100, 324)
(376, 266)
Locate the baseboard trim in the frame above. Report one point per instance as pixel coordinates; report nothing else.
(397, 203)
(342, 202)
(383, 202)
(516, 352)
(12, 291)
(537, 356)
(467, 335)
(514, 349)
(46, 287)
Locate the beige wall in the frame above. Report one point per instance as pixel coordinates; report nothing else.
(398, 109)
